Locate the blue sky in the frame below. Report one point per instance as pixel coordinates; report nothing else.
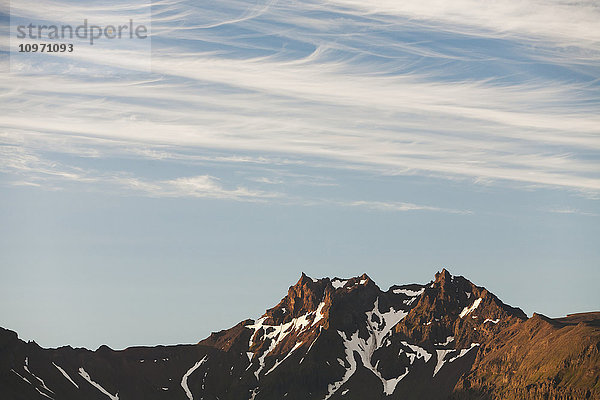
(336, 137)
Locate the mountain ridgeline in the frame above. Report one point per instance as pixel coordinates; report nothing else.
(336, 339)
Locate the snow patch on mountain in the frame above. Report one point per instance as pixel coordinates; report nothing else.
(441, 355)
(189, 372)
(338, 283)
(379, 326)
(449, 339)
(408, 292)
(319, 313)
(26, 368)
(43, 394)
(277, 363)
(21, 376)
(276, 333)
(350, 346)
(87, 377)
(468, 310)
(383, 323)
(62, 371)
(419, 352)
(364, 349)
(311, 345)
(493, 321)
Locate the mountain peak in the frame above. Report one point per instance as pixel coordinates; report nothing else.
(305, 278)
(309, 293)
(302, 298)
(443, 276)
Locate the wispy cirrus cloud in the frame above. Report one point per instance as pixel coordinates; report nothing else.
(28, 169)
(200, 186)
(448, 129)
(399, 206)
(571, 210)
(563, 22)
(384, 87)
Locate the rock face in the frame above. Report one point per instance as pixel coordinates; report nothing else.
(337, 339)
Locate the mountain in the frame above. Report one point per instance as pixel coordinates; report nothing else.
(337, 339)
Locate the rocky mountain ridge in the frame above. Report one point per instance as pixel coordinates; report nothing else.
(337, 339)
